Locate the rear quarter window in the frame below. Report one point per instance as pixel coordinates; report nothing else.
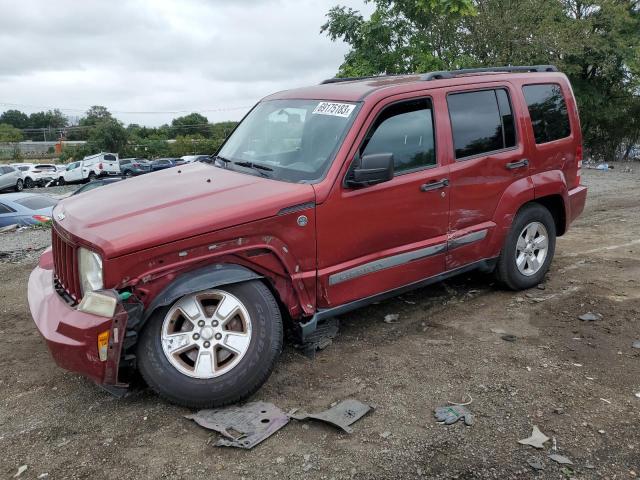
(36, 203)
(548, 112)
(109, 157)
(5, 209)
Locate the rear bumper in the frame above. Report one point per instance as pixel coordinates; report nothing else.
(72, 335)
(577, 199)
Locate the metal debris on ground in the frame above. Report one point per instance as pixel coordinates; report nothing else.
(320, 339)
(561, 459)
(341, 415)
(536, 463)
(21, 470)
(509, 338)
(590, 317)
(536, 440)
(9, 228)
(391, 318)
(450, 414)
(242, 426)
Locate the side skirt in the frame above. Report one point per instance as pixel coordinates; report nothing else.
(308, 327)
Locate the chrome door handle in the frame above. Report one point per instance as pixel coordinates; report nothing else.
(427, 187)
(519, 164)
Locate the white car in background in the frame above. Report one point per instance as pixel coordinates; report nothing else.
(193, 158)
(91, 167)
(36, 174)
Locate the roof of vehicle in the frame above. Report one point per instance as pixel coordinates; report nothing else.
(356, 89)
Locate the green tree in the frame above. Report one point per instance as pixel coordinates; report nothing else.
(15, 118)
(595, 42)
(8, 133)
(108, 136)
(192, 124)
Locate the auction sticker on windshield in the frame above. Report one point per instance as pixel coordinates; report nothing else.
(335, 109)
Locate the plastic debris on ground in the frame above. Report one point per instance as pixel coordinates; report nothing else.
(340, 415)
(450, 414)
(321, 338)
(636, 344)
(242, 426)
(21, 470)
(561, 459)
(509, 338)
(391, 318)
(602, 166)
(536, 440)
(590, 317)
(536, 463)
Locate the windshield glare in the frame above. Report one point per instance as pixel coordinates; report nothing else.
(296, 139)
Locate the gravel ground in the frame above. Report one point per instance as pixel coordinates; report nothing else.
(577, 381)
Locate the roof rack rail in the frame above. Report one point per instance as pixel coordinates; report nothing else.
(351, 79)
(470, 71)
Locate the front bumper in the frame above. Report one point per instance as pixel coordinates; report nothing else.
(72, 335)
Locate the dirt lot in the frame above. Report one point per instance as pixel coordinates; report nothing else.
(575, 380)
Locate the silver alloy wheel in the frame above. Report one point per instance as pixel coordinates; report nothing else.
(532, 248)
(206, 334)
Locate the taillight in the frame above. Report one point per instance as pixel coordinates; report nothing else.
(100, 165)
(579, 163)
(41, 218)
(137, 165)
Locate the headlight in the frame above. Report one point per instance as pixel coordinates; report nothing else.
(90, 270)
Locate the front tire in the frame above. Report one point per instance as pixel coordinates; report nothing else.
(528, 249)
(28, 183)
(214, 347)
(92, 177)
(19, 185)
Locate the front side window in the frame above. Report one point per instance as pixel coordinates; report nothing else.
(289, 140)
(406, 130)
(481, 122)
(548, 112)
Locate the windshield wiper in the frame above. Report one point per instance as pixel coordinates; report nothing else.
(217, 158)
(261, 169)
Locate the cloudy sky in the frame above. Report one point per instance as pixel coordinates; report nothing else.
(141, 58)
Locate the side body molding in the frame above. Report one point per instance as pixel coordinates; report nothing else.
(202, 278)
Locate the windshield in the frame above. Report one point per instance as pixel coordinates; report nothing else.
(290, 140)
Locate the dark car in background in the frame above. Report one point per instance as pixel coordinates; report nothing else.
(130, 167)
(25, 208)
(162, 163)
(96, 184)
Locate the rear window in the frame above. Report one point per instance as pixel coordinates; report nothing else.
(481, 121)
(49, 168)
(109, 157)
(125, 162)
(548, 112)
(36, 203)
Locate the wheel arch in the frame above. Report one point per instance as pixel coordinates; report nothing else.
(556, 206)
(203, 278)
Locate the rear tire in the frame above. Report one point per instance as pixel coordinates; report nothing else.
(61, 181)
(28, 183)
(528, 249)
(19, 185)
(167, 369)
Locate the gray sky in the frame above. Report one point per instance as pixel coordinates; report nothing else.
(217, 56)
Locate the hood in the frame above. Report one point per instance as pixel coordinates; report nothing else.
(173, 204)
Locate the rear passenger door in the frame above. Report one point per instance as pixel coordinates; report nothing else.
(487, 157)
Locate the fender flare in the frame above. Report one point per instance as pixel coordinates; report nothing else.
(202, 278)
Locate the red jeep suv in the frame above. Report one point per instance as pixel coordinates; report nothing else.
(323, 199)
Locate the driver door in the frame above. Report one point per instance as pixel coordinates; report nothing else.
(373, 239)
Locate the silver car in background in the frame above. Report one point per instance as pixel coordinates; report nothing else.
(10, 178)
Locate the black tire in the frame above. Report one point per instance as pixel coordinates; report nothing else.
(28, 183)
(128, 174)
(61, 181)
(239, 383)
(19, 185)
(506, 269)
(92, 177)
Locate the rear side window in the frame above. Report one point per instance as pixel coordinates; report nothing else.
(5, 209)
(406, 130)
(109, 157)
(36, 203)
(548, 112)
(481, 122)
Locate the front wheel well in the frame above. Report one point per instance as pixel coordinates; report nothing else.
(555, 205)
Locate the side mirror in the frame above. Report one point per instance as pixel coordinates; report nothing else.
(373, 169)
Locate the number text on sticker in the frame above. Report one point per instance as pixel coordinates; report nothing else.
(335, 109)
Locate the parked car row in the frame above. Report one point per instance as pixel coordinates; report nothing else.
(17, 176)
(25, 209)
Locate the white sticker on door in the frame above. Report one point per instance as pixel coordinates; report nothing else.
(335, 109)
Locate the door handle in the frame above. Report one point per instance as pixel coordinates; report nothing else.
(519, 164)
(427, 187)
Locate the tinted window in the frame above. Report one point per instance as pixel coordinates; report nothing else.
(23, 169)
(109, 157)
(548, 112)
(481, 121)
(47, 168)
(36, 203)
(125, 162)
(5, 209)
(4, 170)
(406, 130)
